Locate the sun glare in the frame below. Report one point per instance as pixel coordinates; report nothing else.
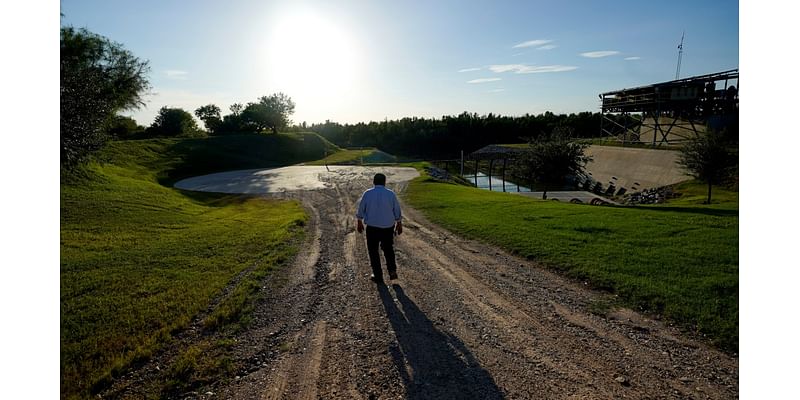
(312, 59)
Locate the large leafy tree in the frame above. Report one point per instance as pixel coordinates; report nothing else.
(236, 109)
(99, 78)
(709, 159)
(210, 115)
(232, 123)
(174, 122)
(270, 112)
(551, 158)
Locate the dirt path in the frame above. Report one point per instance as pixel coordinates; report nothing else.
(464, 321)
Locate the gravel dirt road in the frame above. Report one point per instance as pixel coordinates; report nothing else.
(463, 321)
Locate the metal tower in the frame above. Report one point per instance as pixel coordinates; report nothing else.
(680, 56)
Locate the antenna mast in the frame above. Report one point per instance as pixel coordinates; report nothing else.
(680, 55)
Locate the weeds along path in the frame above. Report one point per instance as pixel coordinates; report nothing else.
(465, 320)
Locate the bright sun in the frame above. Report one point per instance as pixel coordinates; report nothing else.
(312, 59)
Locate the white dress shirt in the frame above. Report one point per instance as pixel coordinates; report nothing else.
(379, 207)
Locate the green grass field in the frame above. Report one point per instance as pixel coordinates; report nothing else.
(678, 260)
(140, 259)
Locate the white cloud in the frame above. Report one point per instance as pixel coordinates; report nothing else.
(517, 54)
(176, 74)
(483, 80)
(469, 69)
(530, 69)
(547, 47)
(532, 43)
(497, 90)
(598, 54)
(632, 58)
(506, 67)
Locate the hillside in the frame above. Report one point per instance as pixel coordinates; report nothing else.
(139, 259)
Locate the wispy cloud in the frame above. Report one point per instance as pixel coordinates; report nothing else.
(176, 74)
(517, 54)
(598, 54)
(547, 47)
(497, 90)
(484, 80)
(532, 43)
(632, 58)
(469, 69)
(530, 69)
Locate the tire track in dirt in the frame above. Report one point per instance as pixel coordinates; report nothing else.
(314, 367)
(363, 329)
(296, 372)
(305, 367)
(591, 352)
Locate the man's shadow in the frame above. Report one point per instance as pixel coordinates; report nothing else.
(440, 365)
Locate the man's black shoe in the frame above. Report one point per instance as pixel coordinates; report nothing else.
(392, 275)
(376, 279)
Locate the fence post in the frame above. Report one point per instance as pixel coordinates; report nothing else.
(504, 174)
(491, 161)
(462, 163)
(476, 172)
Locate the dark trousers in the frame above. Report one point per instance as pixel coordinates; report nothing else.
(385, 238)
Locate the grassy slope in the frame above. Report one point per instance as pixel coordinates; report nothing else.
(139, 259)
(679, 260)
(192, 157)
(353, 156)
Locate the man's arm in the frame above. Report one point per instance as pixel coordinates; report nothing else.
(398, 216)
(360, 213)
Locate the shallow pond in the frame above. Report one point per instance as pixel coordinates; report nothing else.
(497, 183)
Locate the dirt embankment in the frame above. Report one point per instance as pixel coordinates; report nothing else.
(465, 320)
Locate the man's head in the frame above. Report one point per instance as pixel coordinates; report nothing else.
(379, 179)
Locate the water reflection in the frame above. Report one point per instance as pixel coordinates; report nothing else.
(497, 183)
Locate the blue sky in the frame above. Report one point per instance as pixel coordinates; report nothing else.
(351, 61)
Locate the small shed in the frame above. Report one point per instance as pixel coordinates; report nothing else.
(495, 153)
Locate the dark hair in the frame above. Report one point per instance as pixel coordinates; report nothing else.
(379, 179)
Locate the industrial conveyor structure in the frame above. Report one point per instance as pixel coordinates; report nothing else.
(671, 112)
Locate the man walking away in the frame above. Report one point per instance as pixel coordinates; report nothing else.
(380, 211)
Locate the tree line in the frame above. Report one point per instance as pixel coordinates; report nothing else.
(443, 138)
(269, 113)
